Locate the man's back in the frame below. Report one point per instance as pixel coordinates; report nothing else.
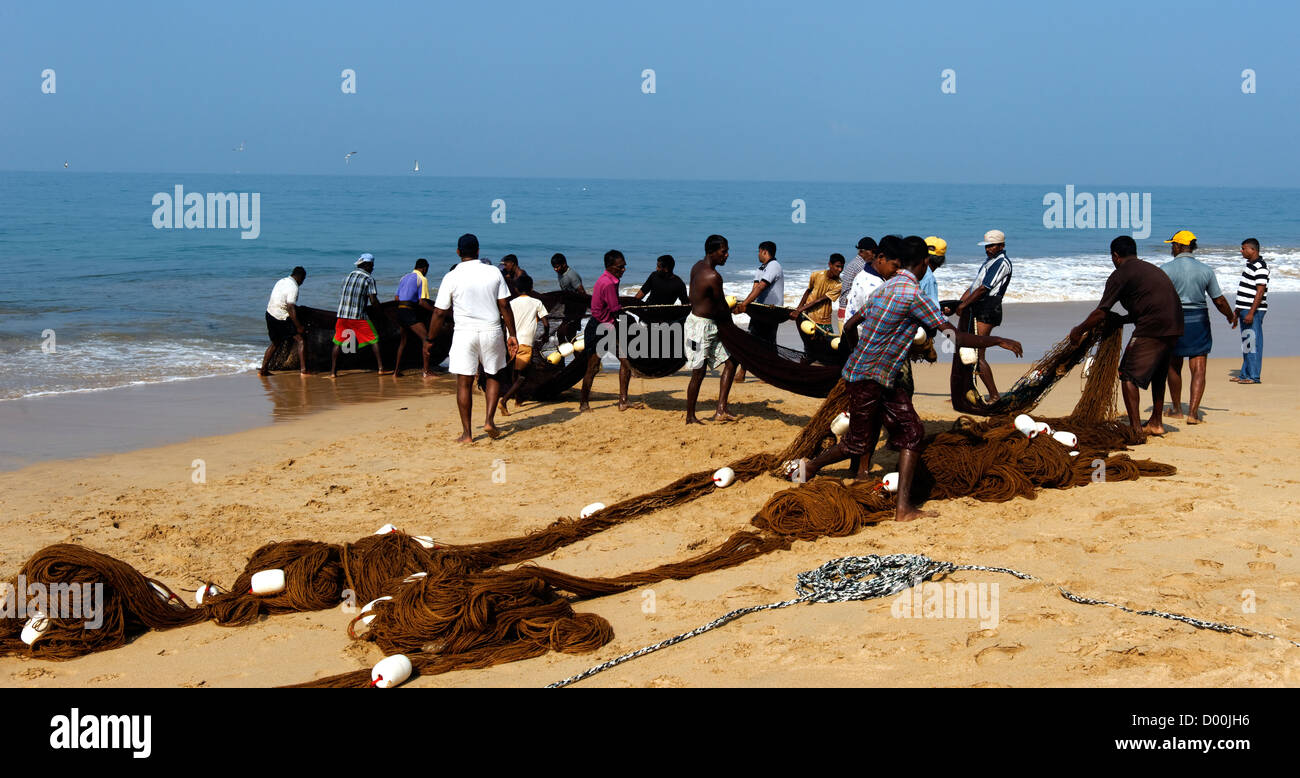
(1193, 280)
(357, 287)
(470, 291)
(772, 273)
(1149, 296)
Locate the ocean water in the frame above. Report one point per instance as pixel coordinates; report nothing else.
(129, 303)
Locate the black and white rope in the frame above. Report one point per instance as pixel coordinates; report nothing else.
(874, 576)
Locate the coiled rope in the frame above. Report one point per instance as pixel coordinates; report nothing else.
(873, 576)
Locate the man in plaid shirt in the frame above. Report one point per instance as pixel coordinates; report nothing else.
(351, 325)
(889, 321)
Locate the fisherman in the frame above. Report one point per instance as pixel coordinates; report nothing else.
(862, 260)
(768, 289)
(476, 295)
(352, 325)
(282, 319)
(886, 259)
(984, 297)
(663, 286)
(528, 311)
(571, 283)
(1252, 304)
(414, 308)
(513, 272)
(822, 294)
(703, 348)
(938, 251)
(606, 332)
(1157, 315)
(1194, 281)
(889, 322)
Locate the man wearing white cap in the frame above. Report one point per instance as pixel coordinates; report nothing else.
(984, 297)
(352, 326)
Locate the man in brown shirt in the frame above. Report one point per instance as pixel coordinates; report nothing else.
(1154, 309)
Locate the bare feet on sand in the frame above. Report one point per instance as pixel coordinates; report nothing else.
(624, 405)
(583, 408)
(1153, 429)
(465, 439)
(492, 431)
(915, 514)
(1173, 413)
(723, 416)
(501, 408)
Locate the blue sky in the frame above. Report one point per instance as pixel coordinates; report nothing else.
(1144, 93)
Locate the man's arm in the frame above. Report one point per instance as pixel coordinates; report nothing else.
(512, 343)
(968, 298)
(293, 316)
(798, 309)
(971, 340)
(759, 286)
(1077, 334)
(1221, 303)
(1248, 318)
(435, 324)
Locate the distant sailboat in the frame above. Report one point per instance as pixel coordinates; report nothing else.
(240, 147)
(417, 166)
(65, 164)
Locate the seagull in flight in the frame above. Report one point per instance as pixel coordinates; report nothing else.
(347, 158)
(240, 147)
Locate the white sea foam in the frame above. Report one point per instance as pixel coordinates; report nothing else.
(99, 364)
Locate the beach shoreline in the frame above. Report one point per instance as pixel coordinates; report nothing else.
(1192, 543)
(113, 421)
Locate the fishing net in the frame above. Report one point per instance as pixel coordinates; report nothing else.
(456, 607)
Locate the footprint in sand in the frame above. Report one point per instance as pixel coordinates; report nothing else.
(1260, 567)
(998, 652)
(105, 678)
(1210, 563)
(32, 673)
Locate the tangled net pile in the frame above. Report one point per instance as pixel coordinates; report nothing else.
(467, 611)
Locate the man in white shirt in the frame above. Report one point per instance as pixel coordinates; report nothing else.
(885, 262)
(528, 311)
(282, 319)
(476, 295)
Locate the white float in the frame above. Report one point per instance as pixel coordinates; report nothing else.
(579, 345)
(1087, 367)
(554, 358)
(35, 628)
(205, 591)
(1074, 453)
(590, 509)
(566, 350)
(731, 301)
(268, 582)
(390, 671)
(425, 540)
(1068, 439)
(724, 477)
(386, 529)
(1044, 428)
(969, 356)
(166, 596)
(807, 327)
(920, 337)
(413, 577)
(1026, 425)
(840, 425)
(365, 609)
(890, 482)
(835, 344)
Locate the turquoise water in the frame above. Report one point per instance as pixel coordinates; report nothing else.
(129, 303)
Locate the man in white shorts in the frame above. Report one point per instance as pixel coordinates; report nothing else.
(703, 348)
(476, 295)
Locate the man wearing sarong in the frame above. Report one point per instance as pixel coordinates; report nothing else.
(703, 348)
(352, 326)
(1194, 281)
(889, 320)
(606, 332)
(1157, 315)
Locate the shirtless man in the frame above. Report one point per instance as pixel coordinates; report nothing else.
(703, 349)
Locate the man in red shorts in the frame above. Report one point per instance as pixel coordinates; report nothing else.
(352, 325)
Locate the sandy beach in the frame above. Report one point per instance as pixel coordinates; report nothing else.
(1215, 542)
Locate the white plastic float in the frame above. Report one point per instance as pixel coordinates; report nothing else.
(390, 671)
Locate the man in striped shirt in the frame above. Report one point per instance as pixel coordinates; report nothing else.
(984, 297)
(890, 319)
(1252, 304)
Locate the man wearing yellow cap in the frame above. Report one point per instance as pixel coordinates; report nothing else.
(1194, 281)
(938, 254)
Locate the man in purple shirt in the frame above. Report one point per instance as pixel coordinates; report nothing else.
(890, 319)
(602, 334)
